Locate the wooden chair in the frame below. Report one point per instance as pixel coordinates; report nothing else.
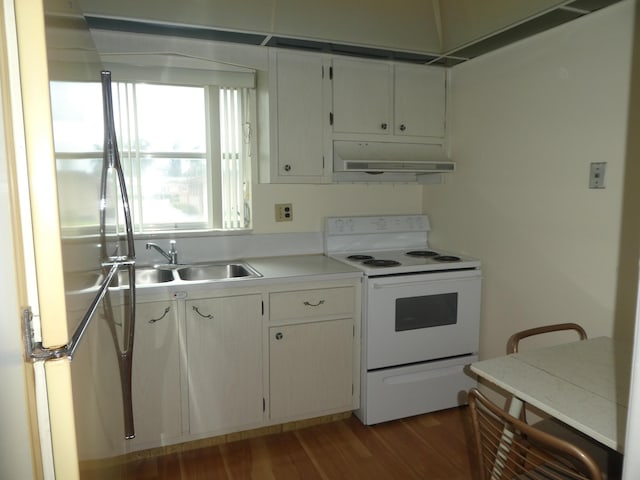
(508, 448)
(609, 461)
(515, 339)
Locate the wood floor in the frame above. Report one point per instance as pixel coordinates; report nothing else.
(432, 446)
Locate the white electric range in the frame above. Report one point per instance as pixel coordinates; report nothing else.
(421, 314)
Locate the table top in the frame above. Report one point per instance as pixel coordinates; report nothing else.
(584, 384)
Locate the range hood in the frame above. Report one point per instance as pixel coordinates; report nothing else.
(381, 157)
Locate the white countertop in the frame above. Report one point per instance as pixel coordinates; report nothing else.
(584, 384)
(302, 266)
(273, 270)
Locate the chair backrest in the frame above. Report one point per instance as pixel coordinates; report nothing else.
(514, 341)
(507, 448)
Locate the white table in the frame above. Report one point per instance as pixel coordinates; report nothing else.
(585, 384)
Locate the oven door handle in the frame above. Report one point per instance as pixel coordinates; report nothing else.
(439, 281)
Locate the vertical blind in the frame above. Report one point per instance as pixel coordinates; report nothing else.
(234, 148)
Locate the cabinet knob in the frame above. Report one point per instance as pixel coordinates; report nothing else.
(384, 126)
(403, 127)
(279, 336)
(287, 168)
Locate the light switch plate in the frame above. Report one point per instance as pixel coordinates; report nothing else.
(284, 212)
(596, 174)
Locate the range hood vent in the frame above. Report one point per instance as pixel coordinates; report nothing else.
(374, 166)
(380, 157)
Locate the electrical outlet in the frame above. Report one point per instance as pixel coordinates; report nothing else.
(284, 212)
(596, 174)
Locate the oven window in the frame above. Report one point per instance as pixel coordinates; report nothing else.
(426, 311)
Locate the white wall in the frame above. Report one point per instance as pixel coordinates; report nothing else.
(311, 203)
(527, 121)
(15, 439)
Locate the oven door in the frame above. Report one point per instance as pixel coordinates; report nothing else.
(421, 317)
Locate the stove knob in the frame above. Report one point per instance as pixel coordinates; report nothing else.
(350, 225)
(381, 224)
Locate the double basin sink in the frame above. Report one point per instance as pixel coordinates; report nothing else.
(190, 273)
(163, 274)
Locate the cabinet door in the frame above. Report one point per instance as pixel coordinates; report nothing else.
(311, 368)
(300, 118)
(224, 363)
(419, 101)
(362, 96)
(156, 374)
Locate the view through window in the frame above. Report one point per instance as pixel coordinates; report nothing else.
(184, 150)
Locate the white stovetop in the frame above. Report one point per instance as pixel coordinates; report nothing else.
(408, 264)
(387, 237)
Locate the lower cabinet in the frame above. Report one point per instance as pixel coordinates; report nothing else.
(311, 368)
(242, 359)
(224, 363)
(156, 374)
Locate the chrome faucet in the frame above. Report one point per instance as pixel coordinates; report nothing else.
(172, 256)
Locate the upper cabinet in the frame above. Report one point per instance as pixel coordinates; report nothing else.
(362, 100)
(298, 112)
(315, 99)
(419, 101)
(398, 101)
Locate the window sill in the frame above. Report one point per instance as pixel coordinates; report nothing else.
(191, 233)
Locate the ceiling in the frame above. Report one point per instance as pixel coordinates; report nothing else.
(441, 32)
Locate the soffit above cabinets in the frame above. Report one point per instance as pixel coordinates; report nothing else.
(440, 32)
(392, 25)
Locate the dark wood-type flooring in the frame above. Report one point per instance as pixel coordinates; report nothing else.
(432, 446)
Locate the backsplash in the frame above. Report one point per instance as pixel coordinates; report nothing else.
(209, 248)
(230, 247)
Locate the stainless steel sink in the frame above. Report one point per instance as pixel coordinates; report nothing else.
(81, 280)
(217, 271)
(146, 276)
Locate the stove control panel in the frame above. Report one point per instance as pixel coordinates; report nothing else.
(377, 224)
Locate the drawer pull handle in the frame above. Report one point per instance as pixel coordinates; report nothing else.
(164, 314)
(309, 304)
(279, 336)
(195, 309)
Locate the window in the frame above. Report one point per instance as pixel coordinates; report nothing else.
(185, 151)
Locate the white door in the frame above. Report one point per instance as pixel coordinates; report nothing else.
(224, 360)
(15, 442)
(156, 374)
(419, 101)
(300, 108)
(50, 400)
(362, 96)
(310, 368)
(414, 318)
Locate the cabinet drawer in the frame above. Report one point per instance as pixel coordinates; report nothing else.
(304, 304)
